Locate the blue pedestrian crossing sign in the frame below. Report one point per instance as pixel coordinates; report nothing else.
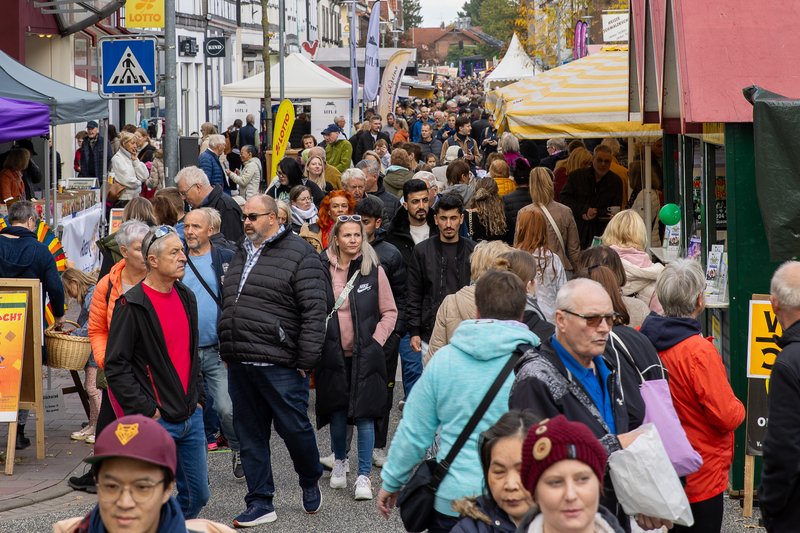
(127, 67)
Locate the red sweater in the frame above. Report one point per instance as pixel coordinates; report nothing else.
(175, 325)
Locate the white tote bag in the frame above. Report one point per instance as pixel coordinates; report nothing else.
(645, 481)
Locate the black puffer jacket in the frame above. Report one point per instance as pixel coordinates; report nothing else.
(390, 202)
(279, 317)
(481, 515)
(395, 268)
(229, 211)
(427, 283)
(363, 392)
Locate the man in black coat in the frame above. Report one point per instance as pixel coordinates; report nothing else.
(366, 140)
(439, 267)
(193, 185)
(92, 153)
(590, 192)
(271, 332)
(374, 187)
(371, 211)
(518, 198)
(248, 135)
(556, 151)
(561, 376)
(779, 492)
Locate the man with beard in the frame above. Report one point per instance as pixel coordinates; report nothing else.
(439, 266)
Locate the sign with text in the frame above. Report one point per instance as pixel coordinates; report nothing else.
(144, 14)
(762, 336)
(13, 316)
(284, 120)
(757, 415)
(615, 27)
(324, 111)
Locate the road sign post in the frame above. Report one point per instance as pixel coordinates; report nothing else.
(128, 66)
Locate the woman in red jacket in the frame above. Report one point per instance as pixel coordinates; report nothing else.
(707, 408)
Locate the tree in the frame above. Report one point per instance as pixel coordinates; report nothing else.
(472, 9)
(411, 14)
(551, 27)
(498, 18)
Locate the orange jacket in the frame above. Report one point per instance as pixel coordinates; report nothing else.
(708, 410)
(100, 312)
(11, 185)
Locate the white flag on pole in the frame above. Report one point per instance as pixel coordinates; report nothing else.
(372, 68)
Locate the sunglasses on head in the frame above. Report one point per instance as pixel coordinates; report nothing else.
(160, 231)
(594, 320)
(349, 218)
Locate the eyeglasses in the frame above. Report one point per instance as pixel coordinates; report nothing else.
(594, 320)
(349, 218)
(252, 217)
(141, 492)
(184, 193)
(158, 232)
(303, 199)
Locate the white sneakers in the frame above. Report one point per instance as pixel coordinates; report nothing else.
(379, 457)
(328, 460)
(84, 434)
(339, 474)
(363, 488)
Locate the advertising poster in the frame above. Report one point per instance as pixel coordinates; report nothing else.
(13, 315)
(325, 110)
(762, 336)
(284, 120)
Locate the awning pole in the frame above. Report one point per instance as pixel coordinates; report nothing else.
(648, 180)
(54, 174)
(104, 178)
(47, 178)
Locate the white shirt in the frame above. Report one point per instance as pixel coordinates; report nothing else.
(420, 233)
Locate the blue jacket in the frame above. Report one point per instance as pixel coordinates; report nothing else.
(416, 130)
(209, 163)
(26, 257)
(453, 384)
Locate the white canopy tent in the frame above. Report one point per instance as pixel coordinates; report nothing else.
(303, 80)
(515, 66)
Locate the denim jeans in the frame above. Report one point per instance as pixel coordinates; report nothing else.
(263, 395)
(210, 418)
(192, 474)
(366, 439)
(411, 363)
(216, 376)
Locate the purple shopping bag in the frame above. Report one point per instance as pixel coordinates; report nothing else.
(660, 411)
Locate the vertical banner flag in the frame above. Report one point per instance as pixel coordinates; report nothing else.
(144, 14)
(390, 84)
(372, 64)
(353, 61)
(13, 316)
(284, 120)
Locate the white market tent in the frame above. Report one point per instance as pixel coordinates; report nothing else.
(303, 80)
(515, 65)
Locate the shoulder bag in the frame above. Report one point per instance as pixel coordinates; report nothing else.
(417, 497)
(203, 281)
(342, 297)
(555, 228)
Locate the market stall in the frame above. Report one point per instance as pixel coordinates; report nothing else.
(516, 65)
(690, 63)
(23, 119)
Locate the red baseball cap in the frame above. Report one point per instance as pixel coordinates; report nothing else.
(136, 437)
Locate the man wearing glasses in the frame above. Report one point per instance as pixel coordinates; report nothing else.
(134, 464)
(271, 332)
(194, 187)
(568, 374)
(152, 362)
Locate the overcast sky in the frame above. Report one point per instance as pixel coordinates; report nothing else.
(435, 11)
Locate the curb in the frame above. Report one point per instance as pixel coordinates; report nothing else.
(50, 493)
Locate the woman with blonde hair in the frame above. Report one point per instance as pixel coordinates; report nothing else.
(315, 172)
(128, 170)
(626, 234)
(500, 172)
(562, 232)
(80, 286)
(460, 306)
(578, 158)
(485, 217)
(351, 375)
(402, 131)
(550, 274)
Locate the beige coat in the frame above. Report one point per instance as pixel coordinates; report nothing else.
(455, 309)
(569, 232)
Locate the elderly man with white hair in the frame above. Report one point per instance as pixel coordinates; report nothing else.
(374, 187)
(779, 493)
(355, 182)
(706, 405)
(194, 187)
(556, 151)
(568, 374)
(209, 162)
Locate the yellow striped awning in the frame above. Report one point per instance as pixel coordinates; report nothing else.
(585, 98)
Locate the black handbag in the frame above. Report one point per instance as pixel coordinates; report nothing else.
(416, 498)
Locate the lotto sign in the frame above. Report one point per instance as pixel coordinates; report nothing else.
(127, 67)
(144, 14)
(762, 336)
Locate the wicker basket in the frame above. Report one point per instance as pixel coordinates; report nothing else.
(66, 351)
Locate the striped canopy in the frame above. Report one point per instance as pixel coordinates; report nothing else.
(585, 98)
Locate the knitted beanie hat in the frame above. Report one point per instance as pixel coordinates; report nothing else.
(556, 439)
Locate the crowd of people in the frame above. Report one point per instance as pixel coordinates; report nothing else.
(423, 238)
